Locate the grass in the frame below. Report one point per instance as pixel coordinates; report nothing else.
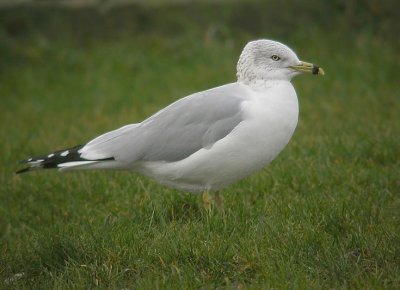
(323, 215)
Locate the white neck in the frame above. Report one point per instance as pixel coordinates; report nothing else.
(261, 84)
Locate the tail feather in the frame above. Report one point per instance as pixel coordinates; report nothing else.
(57, 159)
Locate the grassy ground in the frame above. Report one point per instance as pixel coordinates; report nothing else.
(324, 215)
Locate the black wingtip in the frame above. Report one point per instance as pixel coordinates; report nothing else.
(53, 160)
(27, 169)
(24, 161)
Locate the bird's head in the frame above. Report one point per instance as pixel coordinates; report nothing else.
(271, 60)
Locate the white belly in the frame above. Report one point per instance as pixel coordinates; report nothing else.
(269, 122)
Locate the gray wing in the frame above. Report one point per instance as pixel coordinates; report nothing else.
(184, 127)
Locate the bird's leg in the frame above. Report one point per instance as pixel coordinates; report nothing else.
(219, 200)
(210, 201)
(207, 200)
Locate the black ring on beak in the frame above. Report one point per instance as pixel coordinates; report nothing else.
(315, 69)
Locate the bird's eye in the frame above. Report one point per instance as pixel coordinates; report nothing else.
(275, 57)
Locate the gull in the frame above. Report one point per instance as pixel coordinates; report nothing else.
(206, 141)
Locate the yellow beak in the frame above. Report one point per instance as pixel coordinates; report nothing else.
(307, 67)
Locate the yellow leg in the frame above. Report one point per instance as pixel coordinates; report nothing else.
(219, 200)
(207, 201)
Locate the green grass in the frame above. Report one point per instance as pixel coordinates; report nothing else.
(324, 215)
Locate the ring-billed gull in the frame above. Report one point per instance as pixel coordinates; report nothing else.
(207, 140)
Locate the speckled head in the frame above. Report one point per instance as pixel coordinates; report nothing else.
(271, 60)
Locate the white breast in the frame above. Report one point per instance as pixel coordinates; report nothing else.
(270, 118)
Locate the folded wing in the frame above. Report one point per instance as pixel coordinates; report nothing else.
(174, 133)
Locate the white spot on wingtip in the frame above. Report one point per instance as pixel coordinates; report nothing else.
(50, 155)
(65, 153)
(30, 159)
